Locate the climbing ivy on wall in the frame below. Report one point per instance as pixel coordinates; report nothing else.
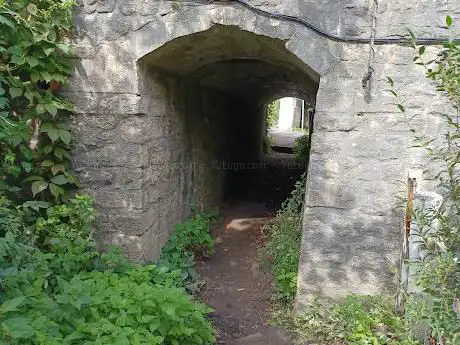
(35, 61)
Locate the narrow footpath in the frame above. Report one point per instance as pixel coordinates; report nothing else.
(236, 286)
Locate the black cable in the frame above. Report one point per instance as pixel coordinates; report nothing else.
(335, 37)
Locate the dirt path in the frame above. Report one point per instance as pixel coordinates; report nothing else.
(236, 287)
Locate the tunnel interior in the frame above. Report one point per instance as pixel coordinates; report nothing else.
(206, 94)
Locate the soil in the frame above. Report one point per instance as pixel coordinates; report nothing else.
(237, 287)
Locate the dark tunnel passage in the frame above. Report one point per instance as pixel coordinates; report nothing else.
(210, 90)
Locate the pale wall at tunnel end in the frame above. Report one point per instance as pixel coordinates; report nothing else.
(129, 138)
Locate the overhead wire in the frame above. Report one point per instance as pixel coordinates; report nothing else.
(333, 36)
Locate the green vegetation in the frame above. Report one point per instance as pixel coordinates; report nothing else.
(272, 111)
(34, 130)
(438, 228)
(301, 149)
(189, 239)
(56, 288)
(271, 120)
(353, 320)
(77, 296)
(282, 250)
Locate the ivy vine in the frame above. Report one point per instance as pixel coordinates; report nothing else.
(35, 138)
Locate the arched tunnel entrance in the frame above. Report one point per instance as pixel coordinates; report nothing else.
(207, 95)
(207, 92)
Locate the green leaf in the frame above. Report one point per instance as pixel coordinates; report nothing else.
(18, 60)
(48, 51)
(13, 189)
(12, 304)
(15, 92)
(7, 22)
(36, 205)
(27, 166)
(40, 109)
(47, 163)
(393, 92)
(4, 102)
(51, 108)
(72, 178)
(32, 61)
(30, 96)
(449, 21)
(38, 186)
(65, 136)
(34, 178)
(27, 152)
(59, 180)
(56, 190)
(61, 152)
(34, 76)
(65, 48)
(412, 35)
(18, 327)
(52, 35)
(58, 168)
(401, 107)
(421, 50)
(47, 149)
(53, 134)
(46, 76)
(51, 131)
(15, 50)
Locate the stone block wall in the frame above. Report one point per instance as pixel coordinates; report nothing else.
(131, 130)
(148, 168)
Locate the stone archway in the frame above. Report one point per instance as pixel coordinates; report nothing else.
(141, 78)
(120, 127)
(203, 94)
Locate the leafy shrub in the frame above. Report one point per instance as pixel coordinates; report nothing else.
(189, 239)
(39, 307)
(282, 250)
(301, 149)
(70, 297)
(352, 320)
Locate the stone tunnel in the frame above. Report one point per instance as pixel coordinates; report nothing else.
(217, 82)
(165, 89)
